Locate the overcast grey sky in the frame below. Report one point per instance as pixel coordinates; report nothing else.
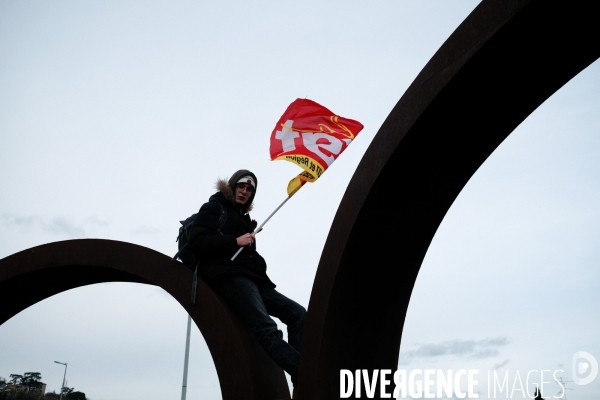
(116, 118)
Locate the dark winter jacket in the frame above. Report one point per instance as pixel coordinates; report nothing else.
(214, 249)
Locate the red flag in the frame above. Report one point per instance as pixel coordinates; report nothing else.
(312, 137)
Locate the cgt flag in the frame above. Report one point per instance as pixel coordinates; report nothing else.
(312, 137)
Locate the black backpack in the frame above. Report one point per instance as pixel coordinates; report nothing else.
(185, 254)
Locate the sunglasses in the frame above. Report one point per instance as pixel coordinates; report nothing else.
(249, 188)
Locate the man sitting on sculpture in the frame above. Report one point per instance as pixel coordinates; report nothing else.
(243, 282)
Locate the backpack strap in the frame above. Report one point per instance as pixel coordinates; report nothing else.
(222, 218)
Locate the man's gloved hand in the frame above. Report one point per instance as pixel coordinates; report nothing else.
(254, 225)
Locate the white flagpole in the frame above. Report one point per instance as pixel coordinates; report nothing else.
(257, 230)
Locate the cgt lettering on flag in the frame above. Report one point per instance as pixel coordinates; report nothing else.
(312, 137)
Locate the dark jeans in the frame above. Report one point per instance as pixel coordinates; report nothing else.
(254, 302)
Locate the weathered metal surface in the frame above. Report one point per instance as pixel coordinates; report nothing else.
(244, 369)
(499, 65)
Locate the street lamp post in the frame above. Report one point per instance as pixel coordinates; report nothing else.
(62, 389)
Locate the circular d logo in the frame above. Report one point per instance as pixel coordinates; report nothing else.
(584, 368)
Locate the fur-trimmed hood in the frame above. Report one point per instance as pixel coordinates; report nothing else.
(227, 188)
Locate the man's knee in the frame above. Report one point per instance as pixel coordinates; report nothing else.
(300, 314)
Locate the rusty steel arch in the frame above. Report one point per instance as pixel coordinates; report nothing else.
(498, 66)
(244, 369)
